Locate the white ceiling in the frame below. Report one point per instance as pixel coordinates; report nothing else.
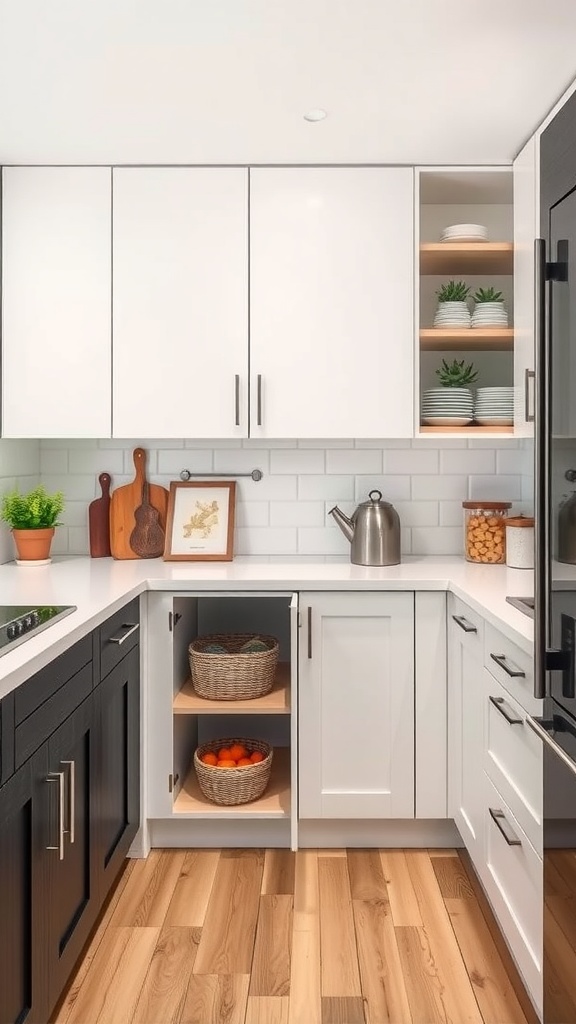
(227, 81)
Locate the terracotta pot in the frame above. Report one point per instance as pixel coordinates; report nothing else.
(33, 545)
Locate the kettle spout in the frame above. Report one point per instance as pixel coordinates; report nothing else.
(345, 524)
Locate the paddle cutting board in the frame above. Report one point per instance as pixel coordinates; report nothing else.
(124, 502)
(99, 520)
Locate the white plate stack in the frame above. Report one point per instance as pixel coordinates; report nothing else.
(447, 407)
(494, 407)
(465, 233)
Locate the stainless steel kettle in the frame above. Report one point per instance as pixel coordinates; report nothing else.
(373, 531)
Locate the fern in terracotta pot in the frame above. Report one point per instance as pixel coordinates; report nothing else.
(32, 517)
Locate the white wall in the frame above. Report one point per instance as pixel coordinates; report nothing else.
(19, 466)
(285, 514)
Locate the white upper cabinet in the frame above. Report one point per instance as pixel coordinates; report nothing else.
(331, 302)
(180, 302)
(526, 229)
(56, 294)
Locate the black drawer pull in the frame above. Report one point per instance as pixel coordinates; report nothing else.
(131, 627)
(503, 826)
(464, 624)
(513, 671)
(506, 711)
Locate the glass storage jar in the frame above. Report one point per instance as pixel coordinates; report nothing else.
(520, 542)
(485, 531)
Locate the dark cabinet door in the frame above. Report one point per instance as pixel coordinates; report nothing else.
(73, 867)
(24, 889)
(118, 774)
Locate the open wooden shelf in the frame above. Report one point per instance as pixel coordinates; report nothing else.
(274, 803)
(466, 258)
(277, 702)
(437, 339)
(472, 429)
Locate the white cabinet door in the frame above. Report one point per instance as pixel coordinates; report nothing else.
(56, 284)
(466, 725)
(526, 229)
(331, 302)
(180, 302)
(356, 706)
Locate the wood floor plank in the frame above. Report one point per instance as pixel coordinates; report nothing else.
(554, 882)
(492, 987)
(342, 1010)
(164, 990)
(271, 961)
(229, 928)
(145, 901)
(267, 1010)
(563, 909)
(339, 962)
(305, 979)
(452, 878)
(115, 979)
(279, 872)
(403, 903)
(381, 977)
(187, 908)
(216, 999)
(424, 986)
(333, 851)
(442, 852)
(367, 880)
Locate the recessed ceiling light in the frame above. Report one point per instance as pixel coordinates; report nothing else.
(315, 115)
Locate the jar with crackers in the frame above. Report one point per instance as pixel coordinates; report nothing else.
(485, 531)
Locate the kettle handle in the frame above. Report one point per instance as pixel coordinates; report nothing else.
(379, 493)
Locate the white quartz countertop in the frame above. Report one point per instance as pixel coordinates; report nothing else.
(98, 587)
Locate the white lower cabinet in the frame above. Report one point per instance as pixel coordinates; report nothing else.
(356, 706)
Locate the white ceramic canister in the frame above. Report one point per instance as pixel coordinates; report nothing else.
(520, 542)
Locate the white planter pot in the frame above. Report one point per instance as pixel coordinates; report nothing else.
(452, 314)
(489, 314)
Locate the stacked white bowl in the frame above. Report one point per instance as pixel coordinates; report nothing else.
(494, 407)
(465, 233)
(447, 407)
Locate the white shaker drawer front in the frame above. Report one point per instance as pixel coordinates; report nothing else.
(513, 758)
(512, 667)
(513, 878)
(465, 624)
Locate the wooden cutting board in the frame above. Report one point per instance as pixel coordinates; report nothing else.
(99, 520)
(124, 502)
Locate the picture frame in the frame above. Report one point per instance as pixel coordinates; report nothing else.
(200, 521)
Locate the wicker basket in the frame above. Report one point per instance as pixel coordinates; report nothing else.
(233, 785)
(232, 676)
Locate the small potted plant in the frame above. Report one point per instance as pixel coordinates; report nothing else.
(32, 517)
(452, 404)
(452, 305)
(489, 309)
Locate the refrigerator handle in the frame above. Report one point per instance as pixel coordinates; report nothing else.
(542, 432)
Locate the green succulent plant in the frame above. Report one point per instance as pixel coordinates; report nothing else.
(453, 291)
(456, 374)
(36, 510)
(487, 295)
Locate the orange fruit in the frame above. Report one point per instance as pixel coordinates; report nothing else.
(209, 758)
(238, 750)
(256, 757)
(226, 763)
(243, 761)
(224, 754)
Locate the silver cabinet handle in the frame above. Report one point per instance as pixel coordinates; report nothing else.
(464, 624)
(542, 431)
(309, 631)
(504, 826)
(506, 711)
(259, 400)
(509, 667)
(131, 627)
(528, 376)
(237, 399)
(544, 735)
(71, 799)
(59, 778)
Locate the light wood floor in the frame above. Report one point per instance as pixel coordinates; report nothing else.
(320, 937)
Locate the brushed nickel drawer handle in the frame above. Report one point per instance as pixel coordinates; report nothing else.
(503, 826)
(59, 778)
(71, 799)
(464, 624)
(528, 376)
(237, 399)
(131, 627)
(509, 667)
(506, 711)
(309, 631)
(259, 401)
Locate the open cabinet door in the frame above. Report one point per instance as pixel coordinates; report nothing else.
(294, 625)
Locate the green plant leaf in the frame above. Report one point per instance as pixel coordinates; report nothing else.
(36, 510)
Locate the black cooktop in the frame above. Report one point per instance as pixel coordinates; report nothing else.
(19, 622)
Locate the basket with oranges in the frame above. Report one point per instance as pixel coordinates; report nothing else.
(233, 771)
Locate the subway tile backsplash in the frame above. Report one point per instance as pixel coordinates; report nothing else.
(286, 514)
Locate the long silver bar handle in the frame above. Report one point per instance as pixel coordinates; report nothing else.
(542, 431)
(528, 376)
(237, 399)
(309, 631)
(506, 710)
(464, 624)
(131, 627)
(59, 778)
(259, 400)
(504, 826)
(510, 668)
(71, 799)
(546, 738)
